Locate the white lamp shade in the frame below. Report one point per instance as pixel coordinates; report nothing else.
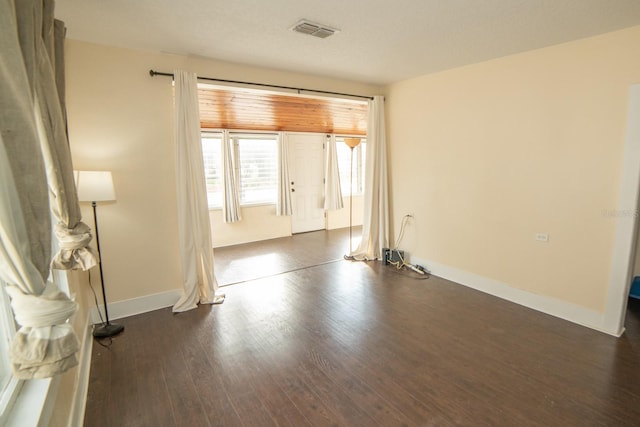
(95, 186)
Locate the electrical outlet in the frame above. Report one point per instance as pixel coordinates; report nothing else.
(542, 237)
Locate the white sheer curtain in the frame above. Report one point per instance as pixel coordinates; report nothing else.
(196, 249)
(230, 189)
(283, 207)
(45, 345)
(375, 228)
(332, 191)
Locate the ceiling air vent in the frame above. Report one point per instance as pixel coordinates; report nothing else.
(316, 30)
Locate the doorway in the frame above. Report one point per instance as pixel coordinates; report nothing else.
(306, 172)
(624, 250)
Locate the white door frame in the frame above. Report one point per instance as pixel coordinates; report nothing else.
(623, 256)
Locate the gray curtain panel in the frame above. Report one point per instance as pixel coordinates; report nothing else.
(60, 32)
(20, 136)
(45, 344)
(73, 235)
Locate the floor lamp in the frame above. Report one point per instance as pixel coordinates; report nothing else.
(97, 186)
(352, 143)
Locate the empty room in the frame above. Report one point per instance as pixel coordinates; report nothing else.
(336, 213)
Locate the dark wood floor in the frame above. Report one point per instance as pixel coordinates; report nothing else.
(239, 263)
(359, 344)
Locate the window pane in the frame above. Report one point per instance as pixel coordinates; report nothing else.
(344, 166)
(7, 329)
(258, 169)
(212, 168)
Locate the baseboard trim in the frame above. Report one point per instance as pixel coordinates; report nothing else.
(84, 369)
(133, 306)
(552, 306)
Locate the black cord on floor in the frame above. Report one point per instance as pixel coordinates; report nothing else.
(101, 341)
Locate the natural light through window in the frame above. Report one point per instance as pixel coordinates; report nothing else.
(258, 167)
(256, 161)
(344, 159)
(7, 330)
(211, 154)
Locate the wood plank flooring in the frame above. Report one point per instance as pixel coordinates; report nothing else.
(359, 344)
(239, 263)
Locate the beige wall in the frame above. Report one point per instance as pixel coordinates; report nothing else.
(488, 155)
(258, 223)
(120, 119)
(261, 223)
(340, 218)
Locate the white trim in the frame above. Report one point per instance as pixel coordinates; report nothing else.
(49, 402)
(79, 403)
(256, 204)
(139, 305)
(8, 398)
(266, 135)
(34, 405)
(552, 306)
(7, 330)
(36, 399)
(626, 225)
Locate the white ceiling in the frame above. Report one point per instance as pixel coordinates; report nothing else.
(381, 41)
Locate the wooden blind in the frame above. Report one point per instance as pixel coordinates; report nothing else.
(259, 110)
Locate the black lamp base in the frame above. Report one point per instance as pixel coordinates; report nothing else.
(108, 330)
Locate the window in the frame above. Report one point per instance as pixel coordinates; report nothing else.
(344, 166)
(212, 156)
(23, 402)
(8, 384)
(256, 167)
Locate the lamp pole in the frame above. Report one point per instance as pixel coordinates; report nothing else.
(97, 186)
(351, 143)
(108, 329)
(351, 204)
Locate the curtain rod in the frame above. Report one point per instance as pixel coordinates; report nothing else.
(153, 73)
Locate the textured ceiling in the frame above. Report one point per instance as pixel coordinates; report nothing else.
(381, 41)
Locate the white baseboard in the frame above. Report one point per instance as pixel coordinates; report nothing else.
(133, 306)
(552, 306)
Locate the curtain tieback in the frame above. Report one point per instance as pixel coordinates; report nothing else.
(75, 251)
(51, 308)
(45, 345)
(77, 237)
